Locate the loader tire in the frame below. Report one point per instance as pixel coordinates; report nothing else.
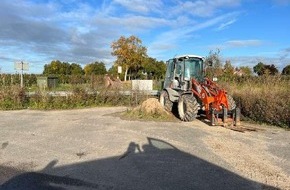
(165, 101)
(231, 103)
(187, 107)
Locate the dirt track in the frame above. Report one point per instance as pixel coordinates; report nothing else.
(91, 149)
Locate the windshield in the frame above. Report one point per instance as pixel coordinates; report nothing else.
(193, 68)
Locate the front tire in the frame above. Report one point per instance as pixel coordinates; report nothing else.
(165, 101)
(187, 107)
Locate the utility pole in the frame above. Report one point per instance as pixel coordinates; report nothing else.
(21, 75)
(22, 67)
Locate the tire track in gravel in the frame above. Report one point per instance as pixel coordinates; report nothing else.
(250, 161)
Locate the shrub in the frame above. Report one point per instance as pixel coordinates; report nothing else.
(79, 98)
(12, 97)
(263, 99)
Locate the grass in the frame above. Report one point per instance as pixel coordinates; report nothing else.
(264, 99)
(13, 98)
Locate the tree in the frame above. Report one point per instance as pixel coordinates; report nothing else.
(113, 71)
(76, 69)
(65, 69)
(160, 69)
(214, 65)
(259, 68)
(129, 52)
(286, 70)
(262, 69)
(62, 68)
(52, 68)
(228, 69)
(96, 68)
(154, 68)
(270, 69)
(246, 71)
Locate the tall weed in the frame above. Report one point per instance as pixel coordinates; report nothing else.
(264, 99)
(12, 97)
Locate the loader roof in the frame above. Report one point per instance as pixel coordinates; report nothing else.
(189, 55)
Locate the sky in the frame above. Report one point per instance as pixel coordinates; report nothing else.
(82, 31)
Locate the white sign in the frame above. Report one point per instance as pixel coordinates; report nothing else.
(142, 84)
(119, 69)
(21, 66)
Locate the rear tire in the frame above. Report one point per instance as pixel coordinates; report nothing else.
(165, 101)
(231, 103)
(187, 107)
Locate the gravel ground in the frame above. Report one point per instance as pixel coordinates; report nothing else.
(92, 149)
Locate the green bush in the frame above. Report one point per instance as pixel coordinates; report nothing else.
(12, 97)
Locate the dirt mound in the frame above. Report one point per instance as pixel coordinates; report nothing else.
(151, 106)
(112, 83)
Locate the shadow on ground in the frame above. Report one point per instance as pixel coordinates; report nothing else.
(156, 165)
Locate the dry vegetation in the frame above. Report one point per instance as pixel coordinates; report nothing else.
(13, 97)
(264, 99)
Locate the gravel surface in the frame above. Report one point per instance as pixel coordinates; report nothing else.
(92, 149)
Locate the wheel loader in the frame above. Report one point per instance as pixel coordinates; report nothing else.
(195, 95)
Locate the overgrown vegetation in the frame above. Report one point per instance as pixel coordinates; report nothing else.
(13, 97)
(264, 99)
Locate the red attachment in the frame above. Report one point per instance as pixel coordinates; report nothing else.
(211, 95)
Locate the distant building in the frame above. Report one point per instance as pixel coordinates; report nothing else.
(47, 82)
(239, 72)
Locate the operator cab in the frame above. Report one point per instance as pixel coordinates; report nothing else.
(181, 69)
(191, 67)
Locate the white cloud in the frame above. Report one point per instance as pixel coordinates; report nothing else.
(281, 2)
(251, 61)
(284, 54)
(237, 44)
(225, 3)
(177, 36)
(226, 24)
(141, 6)
(132, 22)
(243, 43)
(205, 8)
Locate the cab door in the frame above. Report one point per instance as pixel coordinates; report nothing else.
(169, 73)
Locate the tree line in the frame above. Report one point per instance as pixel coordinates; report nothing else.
(130, 55)
(228, 71)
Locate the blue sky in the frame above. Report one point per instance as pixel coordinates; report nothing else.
(81, 31)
